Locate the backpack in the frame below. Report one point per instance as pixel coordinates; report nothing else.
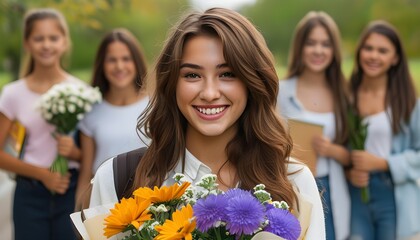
(124, 167)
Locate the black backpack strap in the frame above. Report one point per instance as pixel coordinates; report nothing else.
(124, 166)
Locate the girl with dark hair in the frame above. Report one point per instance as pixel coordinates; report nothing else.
(384, 95)
(316, 92)
(109, 129)
(214, 111)
(38, 213)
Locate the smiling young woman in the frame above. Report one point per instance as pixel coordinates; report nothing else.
(316, 92)
(384, 96)
(37, 212)
(120, 72)
(214, 111)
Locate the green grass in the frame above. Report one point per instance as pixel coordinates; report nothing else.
(85, 74)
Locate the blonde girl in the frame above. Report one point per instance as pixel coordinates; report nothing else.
(38, 213)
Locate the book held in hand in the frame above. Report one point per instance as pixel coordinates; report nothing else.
(15, 140)
(302, 134)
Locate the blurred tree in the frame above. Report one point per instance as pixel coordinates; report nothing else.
(12, 12)
(88, 21)
(405, 15)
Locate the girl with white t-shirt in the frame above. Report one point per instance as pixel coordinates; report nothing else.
(384, 95)
(110, 128)
(43, 200)
(316, 92)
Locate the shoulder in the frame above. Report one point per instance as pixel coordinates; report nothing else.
(416, 109)
(299, 172)
(287, 89)
(103, 190)
(287, 84)
(301, 177)
(13, 86)
(105, 169)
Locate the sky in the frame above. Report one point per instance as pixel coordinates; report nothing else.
(231, 4)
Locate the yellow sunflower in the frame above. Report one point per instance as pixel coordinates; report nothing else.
(163, 194)
(129, 211)
(180, 227)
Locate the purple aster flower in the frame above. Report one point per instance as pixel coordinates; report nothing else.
(236, 192)
(244, 212)
(209, 211)
(282, 223)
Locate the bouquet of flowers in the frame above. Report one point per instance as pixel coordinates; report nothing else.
(64, 105)
(183, 211)
(357, 138)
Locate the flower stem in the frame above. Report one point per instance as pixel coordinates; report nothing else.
(217, 231)
(60, 165)
(365, 194)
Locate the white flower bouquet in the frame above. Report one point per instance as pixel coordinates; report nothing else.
(64, 105)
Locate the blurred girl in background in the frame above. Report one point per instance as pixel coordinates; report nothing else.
(315, 92)
(37, 212)
(384, 95)
(109, 129)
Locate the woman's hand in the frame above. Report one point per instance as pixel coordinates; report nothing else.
(325, 148)
(56, 182)
(322, 146)
(67, 148)
(358, 178)
(365, 161)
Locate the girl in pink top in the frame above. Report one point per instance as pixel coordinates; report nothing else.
(38, 213)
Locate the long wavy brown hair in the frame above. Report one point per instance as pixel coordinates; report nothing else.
(400, 93)
(333, 73)
(261, 147)
(128, 39)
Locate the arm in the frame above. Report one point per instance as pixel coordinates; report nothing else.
(404, 163)
(324, 147)
(53, 181)
(88, 154)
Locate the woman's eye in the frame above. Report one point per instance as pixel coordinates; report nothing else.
(367, 48)
(54, 38)
(310, 43)
(228, 75)
(127, 59)
(327, 44)
(38, 39)
(191, 75)
(110, 60)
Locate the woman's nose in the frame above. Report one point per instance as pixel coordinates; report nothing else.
(210, 90)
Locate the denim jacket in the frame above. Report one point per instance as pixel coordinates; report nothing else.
(404, 165)
(290, 107)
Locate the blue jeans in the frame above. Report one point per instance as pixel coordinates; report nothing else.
(323, 184)
(375, 219)
(38, 214)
